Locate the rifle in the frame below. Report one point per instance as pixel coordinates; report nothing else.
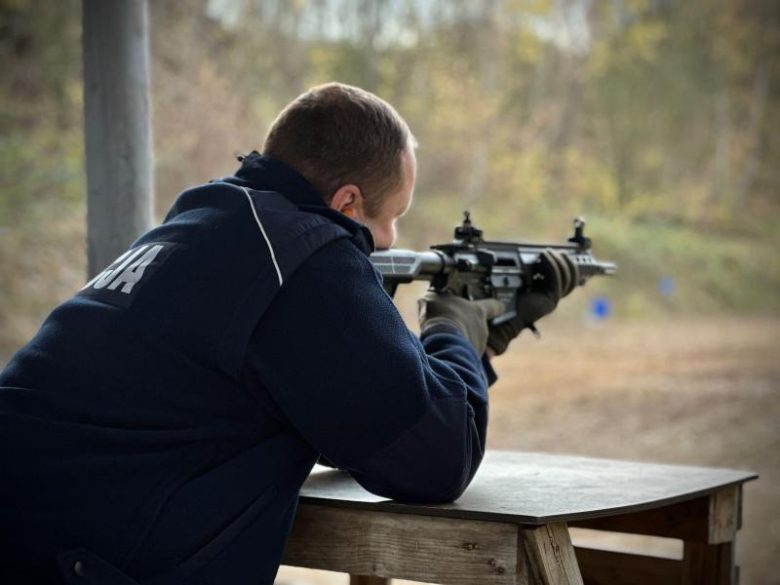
(474, 268)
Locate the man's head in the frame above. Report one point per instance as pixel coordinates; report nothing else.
(354, 149)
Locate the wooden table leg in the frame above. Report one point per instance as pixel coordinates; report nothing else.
(550, 555)
(712, 564)
(707, 526)
(711, 560)
(367, 580)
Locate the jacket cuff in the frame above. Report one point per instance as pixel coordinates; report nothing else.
(440, 325)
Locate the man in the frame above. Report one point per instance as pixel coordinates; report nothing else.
(159, 426)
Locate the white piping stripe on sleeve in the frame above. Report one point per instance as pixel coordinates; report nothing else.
(267, 241)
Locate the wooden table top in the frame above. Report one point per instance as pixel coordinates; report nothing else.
(537, 488)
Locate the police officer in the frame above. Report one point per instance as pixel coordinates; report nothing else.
(159, 426)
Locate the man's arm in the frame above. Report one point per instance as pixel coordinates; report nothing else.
(406, 417)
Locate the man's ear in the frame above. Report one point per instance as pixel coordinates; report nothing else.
(348, 200)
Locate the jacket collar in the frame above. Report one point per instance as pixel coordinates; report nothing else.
(263, 173)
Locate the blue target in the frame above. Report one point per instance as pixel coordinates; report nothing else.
(667, 286)
(600, 308)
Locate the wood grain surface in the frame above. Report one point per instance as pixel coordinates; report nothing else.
(550, 555)
(433, 550)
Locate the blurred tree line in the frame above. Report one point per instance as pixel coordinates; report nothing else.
(656, 119)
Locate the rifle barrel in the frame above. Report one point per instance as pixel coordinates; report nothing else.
(403, 266)
(408, 265)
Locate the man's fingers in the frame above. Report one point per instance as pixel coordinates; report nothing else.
(574, 273)
(566, 276)
(491, 308)
(553, 273)
(421, 310)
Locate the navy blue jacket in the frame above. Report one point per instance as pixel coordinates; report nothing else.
(159, 426)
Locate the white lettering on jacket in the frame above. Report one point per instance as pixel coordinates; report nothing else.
(102, 279)
(135, 271)
(122, 271)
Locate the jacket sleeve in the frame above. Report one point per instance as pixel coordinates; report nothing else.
(407, 417)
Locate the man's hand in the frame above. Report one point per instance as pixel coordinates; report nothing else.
(470, 317)
(560, 276)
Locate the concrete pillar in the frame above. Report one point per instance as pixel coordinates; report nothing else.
(117, 127)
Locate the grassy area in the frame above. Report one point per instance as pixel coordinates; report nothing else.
(713, 273)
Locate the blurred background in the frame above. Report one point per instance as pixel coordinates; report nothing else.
(657, 120)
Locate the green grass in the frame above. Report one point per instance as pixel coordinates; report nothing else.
(714, 273)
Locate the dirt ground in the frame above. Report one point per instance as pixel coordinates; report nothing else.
(698, 392)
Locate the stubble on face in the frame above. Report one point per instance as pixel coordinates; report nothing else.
(395, 205)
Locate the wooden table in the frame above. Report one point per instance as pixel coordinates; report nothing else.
(512, 524)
